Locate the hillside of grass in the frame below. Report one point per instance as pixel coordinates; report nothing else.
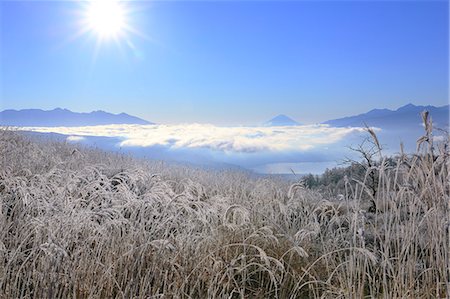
(81, 223)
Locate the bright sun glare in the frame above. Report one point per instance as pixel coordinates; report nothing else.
(109, 20)
(106, 18)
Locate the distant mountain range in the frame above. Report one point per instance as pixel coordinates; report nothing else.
(403, 125)
(64, 118)
(281, 120)
(406, 117)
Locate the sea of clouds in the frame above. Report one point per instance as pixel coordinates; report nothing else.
(264, 149)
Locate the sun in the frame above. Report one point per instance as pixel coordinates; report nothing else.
(106, 18)
(109, 22)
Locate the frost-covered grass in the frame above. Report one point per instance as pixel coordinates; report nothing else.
(81, 223)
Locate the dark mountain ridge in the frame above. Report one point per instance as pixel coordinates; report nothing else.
(408, 116)
(64, 118)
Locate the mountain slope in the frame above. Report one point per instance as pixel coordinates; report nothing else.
(407, 116)
(63, 117)
(281, 120)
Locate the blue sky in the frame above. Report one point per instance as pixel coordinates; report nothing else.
(228, 62)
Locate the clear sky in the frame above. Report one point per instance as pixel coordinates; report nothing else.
(227, 62)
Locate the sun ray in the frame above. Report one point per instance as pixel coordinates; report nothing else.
(109, 22)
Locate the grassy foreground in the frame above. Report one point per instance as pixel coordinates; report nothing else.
(81, 223)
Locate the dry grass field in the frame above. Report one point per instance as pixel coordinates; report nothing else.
(81, 223)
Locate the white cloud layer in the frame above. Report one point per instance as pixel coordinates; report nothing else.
(225, 139)
(75, 138)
